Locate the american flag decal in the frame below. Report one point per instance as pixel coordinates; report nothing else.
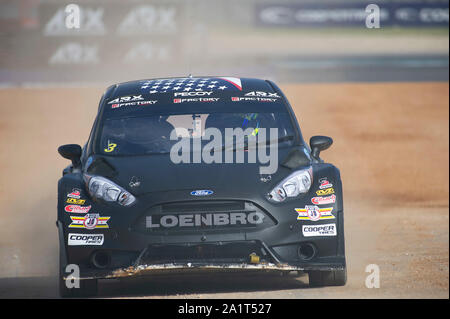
(192, 85)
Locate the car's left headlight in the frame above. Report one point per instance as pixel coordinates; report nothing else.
(102, 188)
(295, 184)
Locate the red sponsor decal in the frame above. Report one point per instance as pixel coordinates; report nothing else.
(323, 200)
(324, 183)
(77, 209)
(75, 193)
(176, 100)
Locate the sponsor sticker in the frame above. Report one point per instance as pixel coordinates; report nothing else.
(89, 221)
(319, 230)
(197, 93)
(247, 98)
(202, 192)
(324, 200)
(85, 239)
(75, 193)
(77, 209)
(324, 183)
(75, 201)
(262, 94)
(204, 220)
(199, 99)
(314, 213)
(139, 103)
(134, 182)
(327, 191)
(265, 179)
(131, 98)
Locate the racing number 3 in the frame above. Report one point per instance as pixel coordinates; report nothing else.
(111, 147)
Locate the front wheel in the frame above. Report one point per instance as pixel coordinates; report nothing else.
(319, 278)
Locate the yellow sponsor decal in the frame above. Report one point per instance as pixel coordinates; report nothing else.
(327, 191)
(76, 201)
(89, 221)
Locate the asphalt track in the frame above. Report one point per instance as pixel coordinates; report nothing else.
(390, 142)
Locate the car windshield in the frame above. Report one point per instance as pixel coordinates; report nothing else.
(152, 134)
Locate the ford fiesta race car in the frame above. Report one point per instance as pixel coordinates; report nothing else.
(198, 174)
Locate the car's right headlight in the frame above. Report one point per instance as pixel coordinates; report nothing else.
(102, 188)
(295, 184)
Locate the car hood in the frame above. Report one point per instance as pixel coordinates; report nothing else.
(157, 173)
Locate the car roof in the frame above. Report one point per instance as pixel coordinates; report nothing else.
(224, 84)
(234, 87)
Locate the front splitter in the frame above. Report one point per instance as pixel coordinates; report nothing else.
(192, 268)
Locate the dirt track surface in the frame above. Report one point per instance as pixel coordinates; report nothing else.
(390, 142)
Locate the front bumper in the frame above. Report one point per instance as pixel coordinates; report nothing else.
(134, 249)
(271, 249)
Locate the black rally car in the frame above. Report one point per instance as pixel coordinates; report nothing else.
(160, 186)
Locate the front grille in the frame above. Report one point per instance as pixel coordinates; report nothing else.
(203, 216)
(217, 252)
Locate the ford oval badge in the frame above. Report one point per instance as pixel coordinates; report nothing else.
(202, 192)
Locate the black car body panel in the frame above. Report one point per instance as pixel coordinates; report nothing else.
(168, 228)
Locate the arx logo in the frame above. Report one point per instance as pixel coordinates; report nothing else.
(130, 98)
(149, 19)
(75, 53)
(89, 22)
(262, 94)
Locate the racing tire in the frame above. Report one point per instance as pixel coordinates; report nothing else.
(319, 278)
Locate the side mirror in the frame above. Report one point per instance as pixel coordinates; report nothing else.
(318, 144)
(72, 152)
